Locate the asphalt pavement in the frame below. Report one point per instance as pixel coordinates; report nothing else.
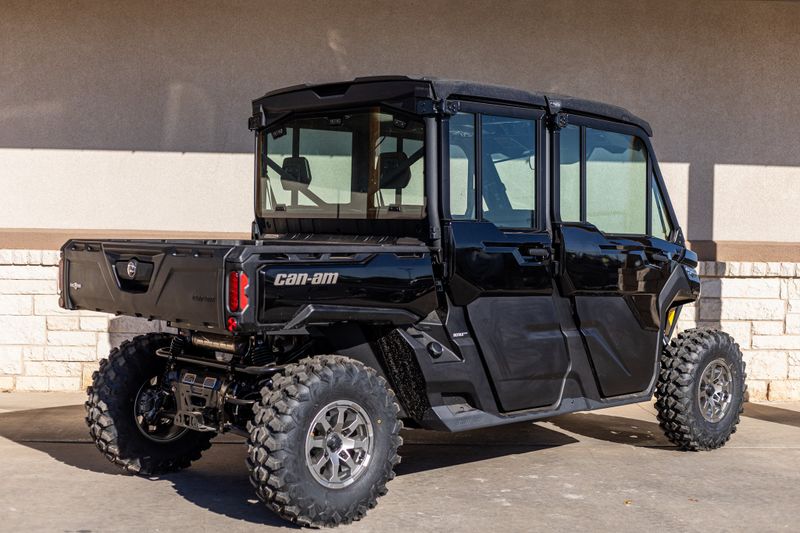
(608, 470)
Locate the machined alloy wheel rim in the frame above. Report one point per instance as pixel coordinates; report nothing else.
(715, 390)
(339, 444)
(162, 427)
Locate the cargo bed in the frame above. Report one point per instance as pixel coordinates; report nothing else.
(185, 282)
(177, 281)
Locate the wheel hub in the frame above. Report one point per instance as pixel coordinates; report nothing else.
(339, 444)
(154, 413)
(715, 390)
(334, 442)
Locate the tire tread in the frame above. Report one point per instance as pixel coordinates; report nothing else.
(675, 390)
(108, 384)
(276, 416)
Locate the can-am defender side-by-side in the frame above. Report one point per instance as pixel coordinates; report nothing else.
(440, 254)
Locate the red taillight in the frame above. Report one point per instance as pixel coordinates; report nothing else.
(237, 291)
(243, 284)
(233, 291)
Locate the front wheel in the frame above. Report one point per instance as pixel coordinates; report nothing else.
(323, 442)
(701, 388)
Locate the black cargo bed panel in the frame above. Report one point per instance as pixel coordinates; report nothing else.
(176, 281)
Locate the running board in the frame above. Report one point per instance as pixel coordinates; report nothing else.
(462, 417)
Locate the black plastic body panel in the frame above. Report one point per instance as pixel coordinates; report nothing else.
(504, 279)
(187, 283)
(397, 89)
(488, 261)
(615, 283)
(387, 280)
(466, 377)
(185, 286)
(622, 351)
(523, 347)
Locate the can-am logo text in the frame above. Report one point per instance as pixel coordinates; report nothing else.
(302, 278)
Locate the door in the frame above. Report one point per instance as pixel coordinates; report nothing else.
(613, 229)
(501, 253)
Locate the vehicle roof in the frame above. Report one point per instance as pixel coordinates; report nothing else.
(446, 88)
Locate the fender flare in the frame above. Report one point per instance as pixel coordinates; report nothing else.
(678, 290)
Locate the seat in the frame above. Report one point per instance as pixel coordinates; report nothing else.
(296, 173)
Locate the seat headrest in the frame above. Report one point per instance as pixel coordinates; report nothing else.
(296, 173)
(395, 172)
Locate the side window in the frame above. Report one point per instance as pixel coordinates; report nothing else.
(570, 174)
(508, 171)
(659, 220)
(462, 166)
(614, 167)
(616, 182)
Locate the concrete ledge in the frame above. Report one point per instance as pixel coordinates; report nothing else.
(746, 251)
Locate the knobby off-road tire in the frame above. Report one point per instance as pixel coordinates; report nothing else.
(694, 369)
(290, 413)
(110, 412)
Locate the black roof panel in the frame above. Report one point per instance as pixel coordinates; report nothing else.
(443, 88)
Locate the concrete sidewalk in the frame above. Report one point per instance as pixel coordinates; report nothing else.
(609, 470)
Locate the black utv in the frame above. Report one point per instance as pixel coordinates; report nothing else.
(440, 254)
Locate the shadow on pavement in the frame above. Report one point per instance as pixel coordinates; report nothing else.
(615, 429)
(219, 482)
(769, 413)
(428, 450)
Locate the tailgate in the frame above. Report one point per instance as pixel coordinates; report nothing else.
(181, 282)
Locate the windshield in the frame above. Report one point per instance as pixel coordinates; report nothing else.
(365, 164)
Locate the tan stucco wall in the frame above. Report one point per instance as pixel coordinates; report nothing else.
(133, 114)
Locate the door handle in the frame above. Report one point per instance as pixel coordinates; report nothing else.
(657, 259)
(534, 253)
(527, 251)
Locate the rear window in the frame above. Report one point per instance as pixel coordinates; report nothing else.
(363, 164)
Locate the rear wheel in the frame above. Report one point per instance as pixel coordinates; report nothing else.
(323, 441)
(131, 417)
(701, 388)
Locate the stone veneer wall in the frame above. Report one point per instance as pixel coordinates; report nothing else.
(759, 304)
(43, 347)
